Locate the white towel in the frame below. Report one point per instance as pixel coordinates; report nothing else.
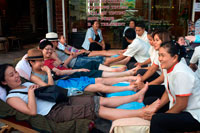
(23, 68)
(2, 94)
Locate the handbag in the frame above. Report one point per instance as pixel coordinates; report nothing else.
(51, 93)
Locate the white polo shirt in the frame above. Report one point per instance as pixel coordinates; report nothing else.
(152, 53)
(143, 37)
(180, 80)
(138, 49)
(196, 58)
(157, 62)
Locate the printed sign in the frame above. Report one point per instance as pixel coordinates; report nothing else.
(197, 27)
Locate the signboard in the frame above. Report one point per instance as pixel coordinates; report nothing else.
(197, 7)
(109, 12)
(197, 27)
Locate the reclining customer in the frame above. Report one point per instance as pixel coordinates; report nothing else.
(62, 45)
(95, 69)
(42, 76)
(92, 106)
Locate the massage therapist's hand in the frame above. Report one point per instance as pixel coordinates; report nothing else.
(46, 69)
(148, 115)
(138, 83)
(138, 64)
(106, 63)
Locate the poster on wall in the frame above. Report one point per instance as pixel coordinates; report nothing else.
(197, 7)
(197, 27)
(109, 12)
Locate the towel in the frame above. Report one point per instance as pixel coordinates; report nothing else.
(23, 68)
(2, 94)
(130, 125)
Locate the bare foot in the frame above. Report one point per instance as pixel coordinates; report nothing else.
(132, 88)
(153, 107)
(131, 72)
(120, 69)
(141, 93)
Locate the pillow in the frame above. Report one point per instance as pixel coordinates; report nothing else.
(130, 125)
(3, 94)
(23, 68)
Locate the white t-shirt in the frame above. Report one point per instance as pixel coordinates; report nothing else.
(43, 107)
(138, 49)
(143, 37)
(183, 82)
(196, 58)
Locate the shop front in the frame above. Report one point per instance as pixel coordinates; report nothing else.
(114, 15)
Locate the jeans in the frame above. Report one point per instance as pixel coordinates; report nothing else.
(81, 61)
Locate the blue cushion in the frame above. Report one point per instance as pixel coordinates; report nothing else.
(115, 55)
(128, 106)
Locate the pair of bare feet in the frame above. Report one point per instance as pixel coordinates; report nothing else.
(149, 110)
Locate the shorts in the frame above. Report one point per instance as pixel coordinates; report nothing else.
(78, 83)
(78, 107)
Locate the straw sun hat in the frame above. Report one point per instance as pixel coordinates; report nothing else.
(34, 54)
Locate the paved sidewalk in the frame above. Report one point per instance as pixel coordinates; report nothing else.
(10, 56)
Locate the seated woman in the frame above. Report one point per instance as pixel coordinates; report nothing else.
(69, 49)
(152, 51)
(42, 76)
(182, 91)
(95, 69)
(153, 74)
(94, 39)
(87, 107)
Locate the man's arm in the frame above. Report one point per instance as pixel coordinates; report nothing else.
(114, 59)
(148, 61)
